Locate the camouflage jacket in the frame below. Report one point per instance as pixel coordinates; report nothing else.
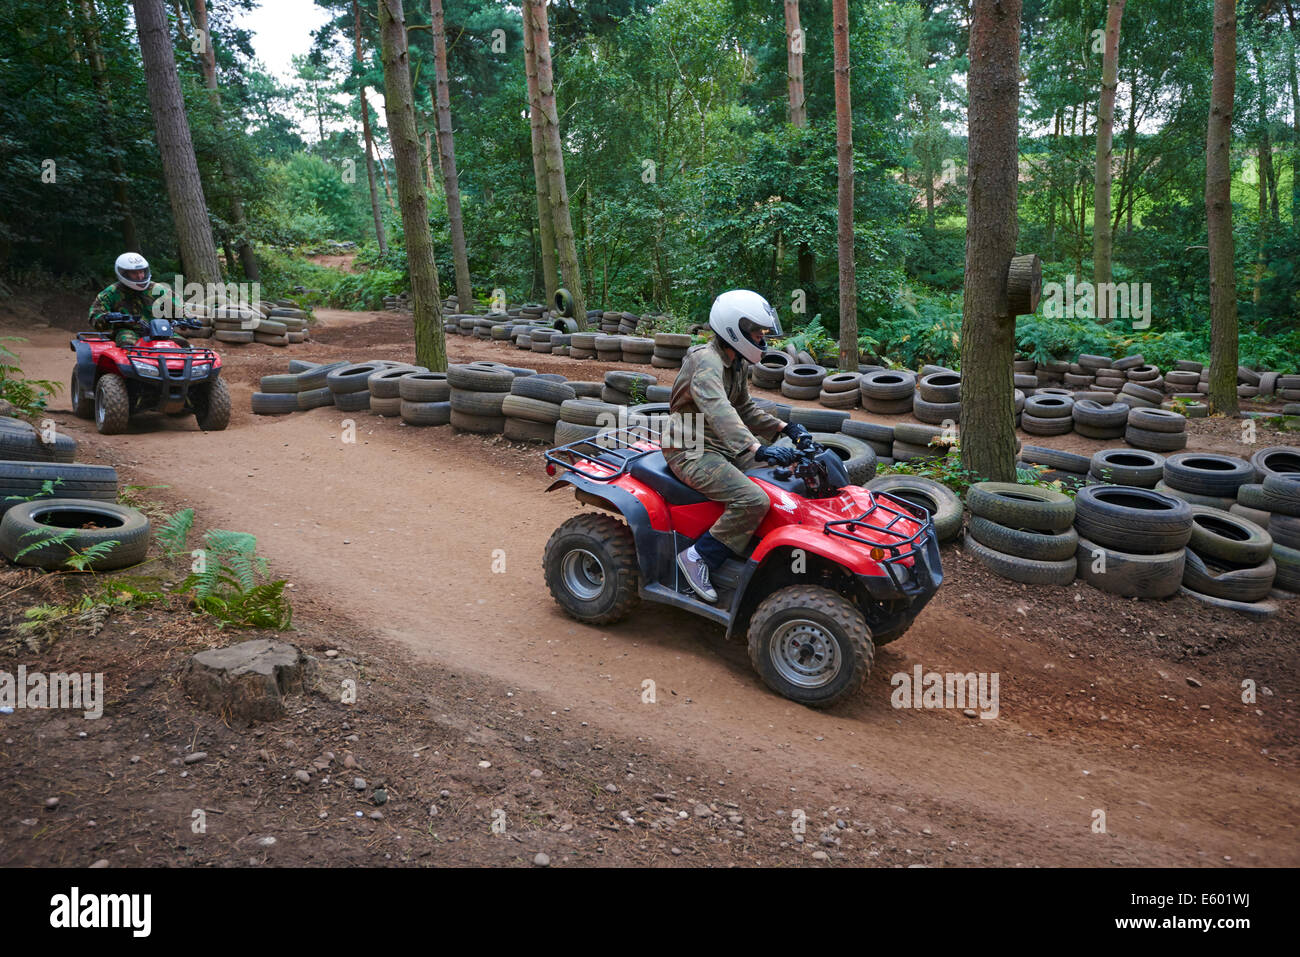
(117, 298)
(711, 391)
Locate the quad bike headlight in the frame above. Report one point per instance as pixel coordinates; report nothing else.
(145, 368)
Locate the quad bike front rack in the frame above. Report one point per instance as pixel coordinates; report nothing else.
(918, 545)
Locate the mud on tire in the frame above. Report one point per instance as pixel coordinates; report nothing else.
(212, 406)
(591, 568)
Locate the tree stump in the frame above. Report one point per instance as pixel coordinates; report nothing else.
(248, 682)
(1024, 285)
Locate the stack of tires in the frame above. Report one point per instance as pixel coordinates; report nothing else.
(26, 480)
(350, 384)
(627, 323)
(1274, 504)
(533, 407)
(1065, 467)
(1156, 430)
(803, 381)
(1126, 467)
(1023, 532)
(561, 343)
(1205, 478)
(814, 420)
(582, 345)
(888, 391)
(841, 390)
(1229, 562)
(1100, 418)
(1051, 374)
(609, 322)
(940, 501)
(670, 349)
(584, 416)
(304, 387)
(609, 348)
(1288, 387)
(938, 397)
(879, 437)
(539, 340)
(770, 372)
(234, 324)
(384, 387)
(1048, 414)
(637, 350)
(1132, 541)
(912, 441)
(424, 398)
(627, 388)
(478, 392)
(20, 442)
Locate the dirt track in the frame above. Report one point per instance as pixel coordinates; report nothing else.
(397, 532)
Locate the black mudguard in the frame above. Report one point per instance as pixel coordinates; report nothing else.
(85, 367)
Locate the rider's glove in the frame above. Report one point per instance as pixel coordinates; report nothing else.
(776, 454)
(800, 436)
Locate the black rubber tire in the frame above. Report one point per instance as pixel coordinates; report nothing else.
(387, 383)
(1025, 570)
(1131, 519)
(488, 404)
(839, 400)
(818, 420)
(1042, 406)
(388, 407)
(544, 390)
(1288, 568)
(1220, 502)
(1034, 425)
(470, 378)
(935, 413)
(629, 381)
(1157, 575)
(1280, 493)
(22, 443)
(1226, 537)
(316, 378)
(24, 480)
(1127, 467)
(425, 413)
(212, 406)
(525, 430)
(1021, 506)
(941, 502)
(83, 404)
(589, 412)
(352, 401)
(1284, 530)
(1276, 460)
(1055, 459)
(588, 390)
(608, 541)
(279, 384)
(940, 387)
(1141, 392)
(274, 403)
(424, 387)
(112, 405)
(478, 424)
(888, 384)
(1224, 580)
(1204, 473)
(1097, 432)
(1157, 420)
(564, 302)
(839, 619)
(1256, 609)
(887, 406)
(566, 432)
(115, 523)
(868, 431)
(1025, 543)
(352, 378)
(1094, 413)
(1155, 441)
(808, 393)
(906, 451)
(314, 398)
(527, 409)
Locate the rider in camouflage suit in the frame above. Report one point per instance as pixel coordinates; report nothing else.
(134, 293)
(712, 388)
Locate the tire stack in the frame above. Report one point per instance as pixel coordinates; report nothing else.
(384, 387)
(879, 437)
(1289, 389)
(1229, 562)
(841, 390)
(1100, 418)
(670, 349)
(1126, 467)
(1023, 532)
(1051, 374)
(1205, 478)
(1274, 504)
(912, 441)
(1183, 381)
(803, 381)
(1065, 467)
(1048, 414)
(888, 391)
(940, 501)
(1132, 541)
(627, 323)
(609, 348)
(583, 417)
(477, 395)
(540, 340)
(609, 322)
(1156, 430)
(350, 383)
(770, 372)
(304, 387)
(626, 388)
(582, 345)
(234, 324)
(938, 398)
(533, 408)
(1109, 379)
(1025, 375)
(425, 398)
(20, 442)
(637, 350)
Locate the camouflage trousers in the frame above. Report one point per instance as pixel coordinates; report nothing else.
(724, 480)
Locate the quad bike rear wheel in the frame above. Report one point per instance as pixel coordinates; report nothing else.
(810, 644)
(83, 405)
(591, 568)
(112, 404)
(212, 406)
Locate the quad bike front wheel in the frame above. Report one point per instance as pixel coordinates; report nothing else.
(83, 404)
(112, 404)
(810, 644)
(591, 568)
(212, 406)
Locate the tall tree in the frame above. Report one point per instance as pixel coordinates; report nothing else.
(399, 105)
(844, 164)
(380, 234)
(1266, 176)
(447, 160)
(1218, 213)
(1102, 236)
(95, 57)
(208, 61)
(564, 238)
(988, 441)
(175, 147)
(545, 221)
(794, 41)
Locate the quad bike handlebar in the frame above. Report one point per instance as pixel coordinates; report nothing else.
(125, 318)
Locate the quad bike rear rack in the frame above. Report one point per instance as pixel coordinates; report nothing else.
(614, 450)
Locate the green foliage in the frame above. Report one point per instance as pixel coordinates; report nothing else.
(175, 531)
(46, 491)
(230, 581)
(91, 608)
(812, 339)
(949, 471)
(77, 560)
(27, 395)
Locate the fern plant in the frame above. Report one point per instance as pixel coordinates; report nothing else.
(78, 560)
(229, 580)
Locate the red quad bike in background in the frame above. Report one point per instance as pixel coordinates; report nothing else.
(834, 571)
(110, 383)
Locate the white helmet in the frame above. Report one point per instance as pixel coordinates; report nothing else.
(130, 262)
(737, 313)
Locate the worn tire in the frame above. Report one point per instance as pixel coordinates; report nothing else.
(1026, 570)
(1055, 459)
(352, 378)
(1025, 543)
(1284, 530)
(24, 480)
(424, 387)
(818, 420)
(488, 404)
(274, 403)
(352, 401)
(1226, 537)
(1131, 519)
(542, 390)
(1157, 420)
(1223, 580)
(593, 597)
(1288, 567)
(1021, 506)
(533, 410)
(589, 412)
(1280, 494)
(941, 502)
(1204, 473)
(425, 413)
(316, 378)
(1155, 441)
(314, 398)
(478, 424)
(1127, 467)
(22, 443)
(114, 523)
(212, 406)
(1130, 575)
(566, 432)
(112, 405)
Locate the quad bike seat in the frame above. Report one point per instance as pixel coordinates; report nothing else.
(653, 470)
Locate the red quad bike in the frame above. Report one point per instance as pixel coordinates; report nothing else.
(834, 571)
(110, 383)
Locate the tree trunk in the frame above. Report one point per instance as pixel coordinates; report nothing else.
(1265, 163)
(383, 168)
(988, 436)
(95, 56)
(567, 246)
(1101, 227)
(1295, 138)
(794, 49)
(208, 59)
(175, 148)
(428, 159)
(1218, 213)
(844, 169)
(545, 221)
(447, 160)
(380, 235)
(399, 106)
